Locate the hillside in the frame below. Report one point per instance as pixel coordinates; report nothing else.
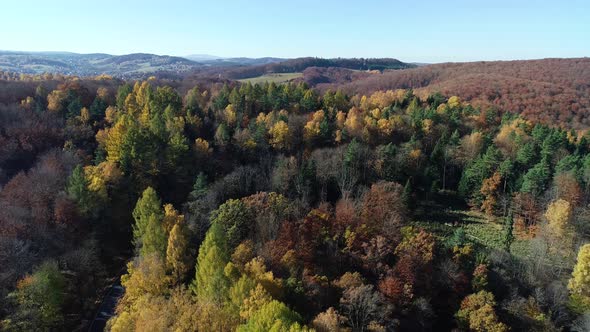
(301, 64)
(548, 90)
(135, 65)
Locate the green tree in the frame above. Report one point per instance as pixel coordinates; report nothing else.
(39, 299)
(122, 93)
(154, 237)
(77, 189)
(479, 170)
(235, 219)
(309, 102)
(210, 281)
(149, 204)
(274, 316)
(199, 188)
(536, 179)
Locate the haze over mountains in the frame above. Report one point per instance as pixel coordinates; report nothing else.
(126, 66)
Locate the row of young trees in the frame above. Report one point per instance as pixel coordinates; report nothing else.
(294, 210)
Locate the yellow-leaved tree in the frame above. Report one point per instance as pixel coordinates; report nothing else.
(279, 135)
(559, 214)
(579, 284)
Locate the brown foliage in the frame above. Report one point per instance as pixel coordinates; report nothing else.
(383, 209)
(548, 90)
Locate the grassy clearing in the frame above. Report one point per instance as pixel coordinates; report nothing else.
(484, 232)
(276, 78)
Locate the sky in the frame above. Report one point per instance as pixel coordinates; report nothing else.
(412, 31)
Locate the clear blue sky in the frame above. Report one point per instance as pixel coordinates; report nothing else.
(421, 31)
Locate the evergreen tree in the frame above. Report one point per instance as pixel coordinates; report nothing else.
(210, 282)
(309, 101)
(77, 189)
(149, 204)
(234, 218)
(154, 237)
(536, 179)
(200, 187)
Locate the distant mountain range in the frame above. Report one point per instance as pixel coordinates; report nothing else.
(141, 65)
(134, 65)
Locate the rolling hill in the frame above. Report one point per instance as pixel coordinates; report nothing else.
(549, 90)
(125, 66)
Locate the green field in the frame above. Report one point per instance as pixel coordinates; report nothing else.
(276, 78)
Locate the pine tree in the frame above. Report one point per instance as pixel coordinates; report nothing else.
(199, 188)
(77, 189)
(154, 237)
(234, 218)
(210, 282)
(149, 204)
(535, 180)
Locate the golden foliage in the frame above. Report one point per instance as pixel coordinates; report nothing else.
(202, 147)
(558, 214)
(579, 284)
(279, 135)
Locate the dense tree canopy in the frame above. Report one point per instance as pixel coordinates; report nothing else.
(277, 207)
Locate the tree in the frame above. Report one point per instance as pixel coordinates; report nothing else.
(149, 204)
(234, 218)
(273, 316)
(477, 313)
(177, 252)
(535, 180)
(39, 299)
(146, 275)
(362, 305)
(383, 209)
(579, 284)
(327, 321)
(210, 282)
(199, 188)
(77, 189)
(476, 172)
(257, 297)
(309, 101)
(279, 135)
(154, 237)
(558, 215)
(488, 190)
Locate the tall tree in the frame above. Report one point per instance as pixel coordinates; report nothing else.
(77, 189)
(177, 252)
(579, 284)
(149, 204)
(210, 282)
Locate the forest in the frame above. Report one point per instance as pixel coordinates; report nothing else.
(228, 206)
